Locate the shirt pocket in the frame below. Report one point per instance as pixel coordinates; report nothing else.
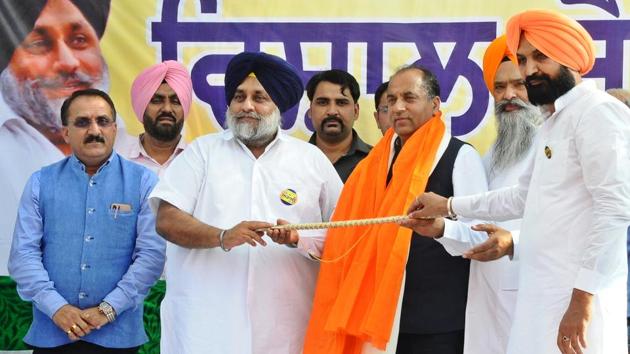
(553, 159)
(123, 223)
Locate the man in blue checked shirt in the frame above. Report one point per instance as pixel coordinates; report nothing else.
(85, 251)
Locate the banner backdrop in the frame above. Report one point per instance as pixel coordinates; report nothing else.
(368, 38)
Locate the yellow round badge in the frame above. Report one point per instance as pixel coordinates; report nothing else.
(288, 197)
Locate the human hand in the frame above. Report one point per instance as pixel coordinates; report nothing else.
(245, 232)
(69, 319)
(428, 205)
(574, 324)
(432, 228)
(283, 236)
(499, 244)
(94, 317)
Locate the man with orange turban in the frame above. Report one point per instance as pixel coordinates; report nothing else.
(161, 97)
(493, 285)
(574, 198)
(381, 288)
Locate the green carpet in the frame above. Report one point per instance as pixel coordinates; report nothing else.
(16, 316)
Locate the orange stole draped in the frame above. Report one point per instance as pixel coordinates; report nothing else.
(356, 297)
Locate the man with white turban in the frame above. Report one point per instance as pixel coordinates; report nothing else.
(574, 198)
(161, 96)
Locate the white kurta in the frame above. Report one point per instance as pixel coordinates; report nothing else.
(493, 286)
(576, 206)
(23, 150)
(252, 299)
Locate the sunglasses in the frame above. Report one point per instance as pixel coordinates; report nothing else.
(102, 122)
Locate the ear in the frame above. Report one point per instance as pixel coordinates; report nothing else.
(378, 124)
(356, 111)
(436, 104)
(65, 134)
(308, 113)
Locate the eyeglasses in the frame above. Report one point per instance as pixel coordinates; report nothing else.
(102, 122)
(382, 109)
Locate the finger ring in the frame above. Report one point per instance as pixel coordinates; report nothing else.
(565, 338)
(69, 332)
(75, 327)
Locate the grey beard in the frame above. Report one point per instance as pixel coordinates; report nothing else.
(515, 133)
(29, 102)
(254, 135)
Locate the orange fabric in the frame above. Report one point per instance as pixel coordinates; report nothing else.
(356, 297)
(558, 36)
(493, 57)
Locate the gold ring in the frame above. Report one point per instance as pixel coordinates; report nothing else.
(565, 338)
(75, 327)
(69, 332)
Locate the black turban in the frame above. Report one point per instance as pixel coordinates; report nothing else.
(279, 78)
(17, 18)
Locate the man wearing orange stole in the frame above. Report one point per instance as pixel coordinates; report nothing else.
(379, 288)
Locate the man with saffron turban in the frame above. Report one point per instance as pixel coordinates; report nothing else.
(493, 285)
(229, 290)
(574, 198)
(380, 287)
(161, 96)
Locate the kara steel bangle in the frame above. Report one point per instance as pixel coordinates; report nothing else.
(221, 241)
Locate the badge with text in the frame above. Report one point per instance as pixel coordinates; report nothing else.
(288, 197)
(548, 152)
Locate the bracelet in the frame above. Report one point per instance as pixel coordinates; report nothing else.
(107, 310)
(449, 208)
(221, 241)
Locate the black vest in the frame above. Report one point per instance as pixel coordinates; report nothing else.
(436, 283)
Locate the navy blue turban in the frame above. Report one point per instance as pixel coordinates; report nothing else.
(279, 78)
(17, 19)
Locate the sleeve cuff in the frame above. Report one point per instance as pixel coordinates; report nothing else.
(589, 281)
(515, 239)
(461, 205)
(309, 244)
(448, 241)
(50, 303)
(119, 301)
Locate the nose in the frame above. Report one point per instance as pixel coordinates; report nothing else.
(510, 92)
(396, 107)
(248, 105)
(332, 109)
(167, 106)
(66, 61)
(528, 68)
(93, 128)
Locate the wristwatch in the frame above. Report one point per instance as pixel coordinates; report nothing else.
(107, 310)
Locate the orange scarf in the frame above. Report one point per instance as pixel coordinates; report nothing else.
(356, 297)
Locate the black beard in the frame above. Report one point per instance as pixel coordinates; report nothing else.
(549, 90)
(162, 132)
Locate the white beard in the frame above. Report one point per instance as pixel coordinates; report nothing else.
(515, 133)
(254, 135)
(27, 100)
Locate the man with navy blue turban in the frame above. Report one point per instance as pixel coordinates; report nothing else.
(229, 289)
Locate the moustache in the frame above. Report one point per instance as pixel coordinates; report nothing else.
(537, 77)
(166, 115)
(94, 138)
(500, 106)
(329, 119)
(251, 115)
(66, 79)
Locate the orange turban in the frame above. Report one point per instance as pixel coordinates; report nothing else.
(497, 50)
(556, 35)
